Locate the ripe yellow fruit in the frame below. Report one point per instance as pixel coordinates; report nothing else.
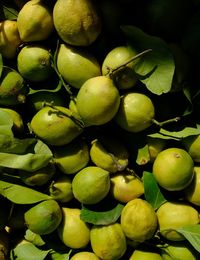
(108, 241)
(76, 22)
(98, 100)
(138, 220)
(172, 215)
(135, 113)
(35, 21)
(173, 169)
(76, 65)
(192, 145)
(192, 191)
(84, 255)
(73, 231)
(9, 38)
(140, 254)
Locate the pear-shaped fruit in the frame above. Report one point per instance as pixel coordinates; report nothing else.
(98, 100)
(9, 38)
(76, 65)
(135, 113)
(61, 189)
(56, 125)
(33, 63)
(44, 217)
(73, 231)
(12, 88)
(76, 22)
(73, 157)
(109, 153)
(35, 21)
(91, 184)
(108, 241)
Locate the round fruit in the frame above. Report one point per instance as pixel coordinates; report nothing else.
(126, 187)
(173, 215)
(192, 191)
(192, 145)
(61, 189)
(12, 87)
(135, 113)
(140, 254)
(9, 39)
(178, 250)
(125, 77)
(81, 26)
(138, 220)
(98, 100)
(108, 241)
(73, 157)
(55, 125)
(84, 255)
(38, 177)
(91, 184)
(44, 217)
(33, 63)
(173, 169)
(36, 29)
(73, 231)
(76, 65)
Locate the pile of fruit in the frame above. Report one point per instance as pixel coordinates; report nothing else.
(99, 129)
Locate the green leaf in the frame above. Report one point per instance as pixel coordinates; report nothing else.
(192, 234)
(101, 217)
(34, 238)
(59, 256)
(152, 192)
(8, 10)
(1, 64)
(155, 69)
(176, 135)
(143, 155)
(21, 195)
(29, 251)
(6, 123)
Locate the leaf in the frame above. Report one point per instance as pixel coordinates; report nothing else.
(155, 69)
(6, 123)
(143, 155)
(7, 10)
(176, 135)
(101, 217)
(192, 234)
(58, 256)
(152, 192)
(1, 64)
(21, 195)
(29, 251)
(34, 238)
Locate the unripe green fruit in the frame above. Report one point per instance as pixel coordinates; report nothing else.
(44, 217)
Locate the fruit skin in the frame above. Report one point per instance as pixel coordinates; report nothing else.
(34, 21)
(9, 39)
(192, 191)
(172, 215)
(138, 220)
(108, 241)
(44, 217)
(76, 65)
(192, 145)
(178, 250)
(18, 124)
(12, 87)
(140, 254)
(91, 184)
(33, 63)
(54, 125)
(109, 153)
(135, 113)
(98, 100)
(173, 169)
(73, 157)
(126, 187)
(73, 231)
(155, 146)
(76, 21)
(84, 255)
(125, 77)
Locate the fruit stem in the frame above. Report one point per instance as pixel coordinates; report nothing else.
(172, 120)
(139, 55)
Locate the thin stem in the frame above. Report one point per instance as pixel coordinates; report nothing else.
(172, 120)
